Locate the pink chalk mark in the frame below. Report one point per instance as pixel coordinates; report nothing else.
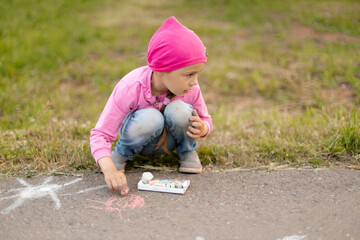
(116, 203)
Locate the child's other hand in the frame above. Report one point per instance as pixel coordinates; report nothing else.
(115, 179)
(197, 127)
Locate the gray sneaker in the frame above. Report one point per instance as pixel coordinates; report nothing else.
(190, 163)
(118, 160)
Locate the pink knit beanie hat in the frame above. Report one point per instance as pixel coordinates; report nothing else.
(174, 46)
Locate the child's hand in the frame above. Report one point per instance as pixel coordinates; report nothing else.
(197, 127)
(115, 179)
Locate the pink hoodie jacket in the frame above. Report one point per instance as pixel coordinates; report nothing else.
(133, 92)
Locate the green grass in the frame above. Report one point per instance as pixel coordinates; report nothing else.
(282, 82)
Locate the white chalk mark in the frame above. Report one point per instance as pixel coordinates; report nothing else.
(72, 182)
(16, 204)
(33, 192)
(48, 179)
(43, 190)
(12, 190)
(23, 182)
(87, 190)
(293, 237)
(55, 199)
(10, 197)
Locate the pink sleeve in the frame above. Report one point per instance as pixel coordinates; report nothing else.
(200, 106)
(118, 106)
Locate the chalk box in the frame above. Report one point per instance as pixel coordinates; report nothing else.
(148, 187)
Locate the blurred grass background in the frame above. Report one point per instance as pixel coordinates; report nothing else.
(282, 81)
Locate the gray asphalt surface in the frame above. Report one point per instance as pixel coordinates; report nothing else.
(285, 205)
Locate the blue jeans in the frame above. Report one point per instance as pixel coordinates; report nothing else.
(141, 130)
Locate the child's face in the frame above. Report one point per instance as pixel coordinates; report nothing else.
(182, 80)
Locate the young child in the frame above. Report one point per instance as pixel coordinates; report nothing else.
(158, 108)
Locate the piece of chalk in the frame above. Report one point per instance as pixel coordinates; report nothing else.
(146, 177)
(153, 182)
(160, 185)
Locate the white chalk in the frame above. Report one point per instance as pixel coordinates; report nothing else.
(293, 237)
(146, 177)
(30, 192)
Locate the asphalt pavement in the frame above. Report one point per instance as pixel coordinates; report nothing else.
(275, 205)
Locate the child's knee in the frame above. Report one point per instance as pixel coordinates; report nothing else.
(179, 113)
(147, 122)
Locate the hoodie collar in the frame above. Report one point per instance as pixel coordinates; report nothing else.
(148, 96)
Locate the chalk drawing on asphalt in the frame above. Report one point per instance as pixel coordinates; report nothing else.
(118, 203)
(45, 189)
